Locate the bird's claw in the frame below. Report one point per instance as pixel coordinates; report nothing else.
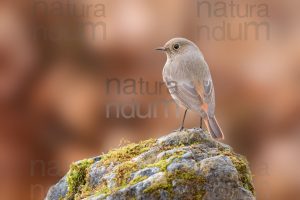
(179, 129)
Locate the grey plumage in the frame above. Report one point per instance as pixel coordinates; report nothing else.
(189, 81)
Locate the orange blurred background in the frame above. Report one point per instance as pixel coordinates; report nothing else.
(68, 68)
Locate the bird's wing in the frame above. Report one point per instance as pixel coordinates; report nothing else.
(209, 96)
(205, 88)
(208, 90)
(185, 92)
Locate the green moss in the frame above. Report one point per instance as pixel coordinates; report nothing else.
(76, 177)
(123, 173)
(191, 178)
(125, 169)
(186, 177)
(137, 180)
(164, 184)
(126, 153)
(103, 189)
(241, 165)
(163, 163)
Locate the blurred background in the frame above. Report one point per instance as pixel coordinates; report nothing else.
(78, 78)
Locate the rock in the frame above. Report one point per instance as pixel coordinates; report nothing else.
(59, 190)
(182, 165)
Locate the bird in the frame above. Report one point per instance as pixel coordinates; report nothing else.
(188, 79)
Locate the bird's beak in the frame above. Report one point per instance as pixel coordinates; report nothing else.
(161, 49)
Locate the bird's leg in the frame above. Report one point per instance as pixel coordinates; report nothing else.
(182, 123)
(201, 122)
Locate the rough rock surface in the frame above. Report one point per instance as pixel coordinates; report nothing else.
(181, 165)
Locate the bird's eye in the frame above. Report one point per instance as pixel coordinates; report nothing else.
(176, 46)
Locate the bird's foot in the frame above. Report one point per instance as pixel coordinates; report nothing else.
(179, 129)
(201, 128)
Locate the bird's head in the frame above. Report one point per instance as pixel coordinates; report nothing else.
(178, 47)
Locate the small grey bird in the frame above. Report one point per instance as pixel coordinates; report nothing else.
(189, 81)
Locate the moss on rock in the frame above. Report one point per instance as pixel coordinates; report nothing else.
(76, 177)
(184, 177)
(181, 165)
(123, 173)
(127, 152)
(242, 166)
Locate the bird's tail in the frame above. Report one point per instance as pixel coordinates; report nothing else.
(214, 128)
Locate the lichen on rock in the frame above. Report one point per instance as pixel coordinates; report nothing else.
(182, 165)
